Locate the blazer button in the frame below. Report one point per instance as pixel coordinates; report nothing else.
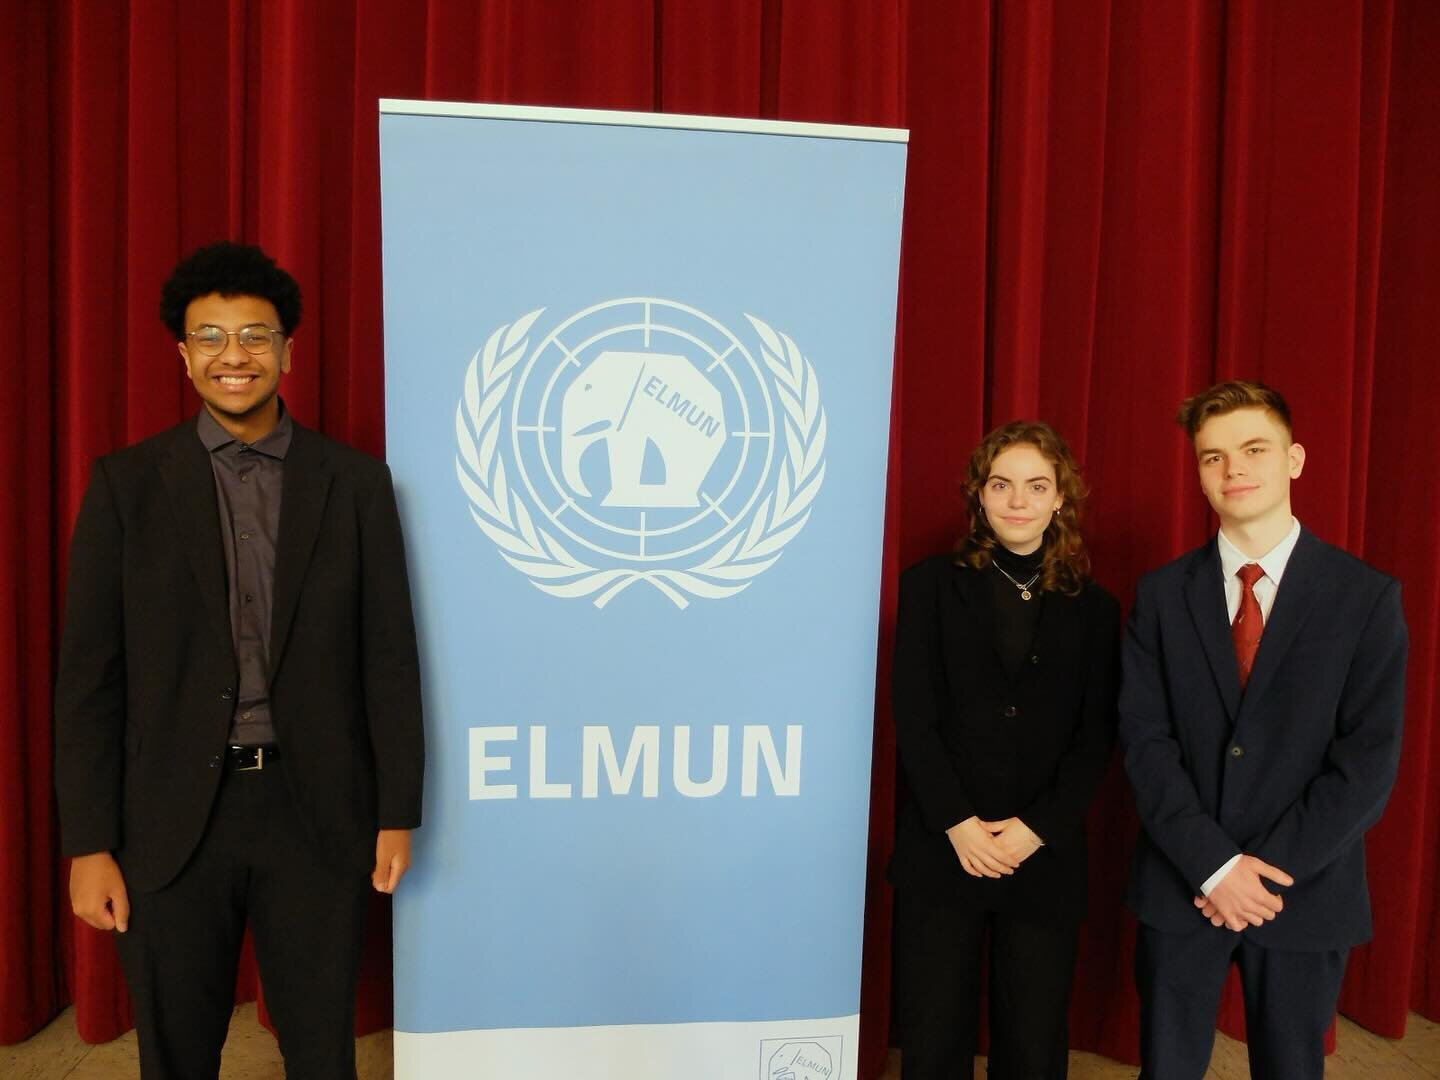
(1034, 659)
(1236, 751)
(1010, 710)
(215, 761)
(226, 694)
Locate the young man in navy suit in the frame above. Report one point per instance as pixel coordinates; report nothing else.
(1264, 680)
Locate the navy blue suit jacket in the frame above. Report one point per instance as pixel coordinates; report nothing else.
(1294, 769)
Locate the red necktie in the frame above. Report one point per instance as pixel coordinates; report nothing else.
(1249, 624)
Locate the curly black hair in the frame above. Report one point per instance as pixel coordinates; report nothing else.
(229, 269)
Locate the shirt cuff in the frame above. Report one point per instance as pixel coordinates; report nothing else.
(1214, 879)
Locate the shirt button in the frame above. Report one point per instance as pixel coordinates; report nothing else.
(226, 694)
(245, 715)
(1010, 710)
(249, 597)
(244, 477)
(1236, 751)
(244, 536)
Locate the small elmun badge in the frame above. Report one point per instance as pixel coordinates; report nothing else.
(639, 440)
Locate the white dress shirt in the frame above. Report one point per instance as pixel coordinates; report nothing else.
(1273, 564)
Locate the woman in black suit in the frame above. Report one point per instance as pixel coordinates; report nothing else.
(1005, 681)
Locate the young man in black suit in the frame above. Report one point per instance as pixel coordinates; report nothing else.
(1261, 709)
(237, 713)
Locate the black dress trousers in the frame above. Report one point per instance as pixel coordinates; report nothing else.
(182, 948)
(938, 946)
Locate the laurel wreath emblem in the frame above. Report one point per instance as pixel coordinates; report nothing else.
(533, 550)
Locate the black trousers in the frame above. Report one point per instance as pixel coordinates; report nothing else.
(1290, 1000)
(937, 990)
(182, 948)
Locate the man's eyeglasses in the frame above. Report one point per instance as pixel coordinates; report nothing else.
(256, 338)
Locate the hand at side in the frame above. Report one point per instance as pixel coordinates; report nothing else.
(392, 859)
(97, 891)
(979, 854)
(1241, 898)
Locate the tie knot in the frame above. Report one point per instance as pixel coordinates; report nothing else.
(1249, 574)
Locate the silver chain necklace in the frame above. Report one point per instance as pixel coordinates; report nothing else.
(1025, 593)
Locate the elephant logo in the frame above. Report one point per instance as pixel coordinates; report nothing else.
(640, 440)
(800, 1059)
(645, 406)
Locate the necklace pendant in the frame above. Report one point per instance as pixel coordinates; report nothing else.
(1024, 594)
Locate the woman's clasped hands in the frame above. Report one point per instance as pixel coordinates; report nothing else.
(992, 849)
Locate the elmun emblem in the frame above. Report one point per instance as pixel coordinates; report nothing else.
(640, 440)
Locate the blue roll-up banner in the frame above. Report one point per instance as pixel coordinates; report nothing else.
(637, 398)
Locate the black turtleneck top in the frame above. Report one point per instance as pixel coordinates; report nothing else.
(1015, 617)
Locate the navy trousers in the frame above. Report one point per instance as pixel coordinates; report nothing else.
(1289, 1002)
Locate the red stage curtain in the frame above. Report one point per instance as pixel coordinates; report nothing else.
(1110, 205)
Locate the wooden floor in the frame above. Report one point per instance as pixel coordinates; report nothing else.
(56, 1053)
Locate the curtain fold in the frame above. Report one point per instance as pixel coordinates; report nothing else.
(31, 969)
(1403, 962)
(1109, 206)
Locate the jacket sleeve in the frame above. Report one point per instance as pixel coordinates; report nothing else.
(1062, 806)
(918, 699)
(1170, 808)
(90, 683)
(391, 663)
(1348, 795)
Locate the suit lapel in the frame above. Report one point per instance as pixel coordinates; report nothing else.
(974, 617)
(303, 495)
(190, 482)
(1059, 621)
(1205, 596)
(1288, 614)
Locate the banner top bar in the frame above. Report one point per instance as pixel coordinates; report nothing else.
(407, 107)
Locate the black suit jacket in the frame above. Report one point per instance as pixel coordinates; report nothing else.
(973, 741)
(1294, 770)
(147, 674)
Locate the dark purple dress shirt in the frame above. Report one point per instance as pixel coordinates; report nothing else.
(248, 480)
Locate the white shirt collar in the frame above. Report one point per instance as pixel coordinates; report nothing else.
(1272, 562)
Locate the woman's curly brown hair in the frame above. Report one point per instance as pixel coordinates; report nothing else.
(1066, 565)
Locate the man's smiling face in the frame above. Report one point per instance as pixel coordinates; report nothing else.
(1247, 461)
(236, 384)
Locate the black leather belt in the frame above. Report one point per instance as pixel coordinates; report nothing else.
(250, 758)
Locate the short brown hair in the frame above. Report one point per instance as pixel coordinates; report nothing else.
(1066, 564)
(1226, 397)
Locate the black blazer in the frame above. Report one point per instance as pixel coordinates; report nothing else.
(1294, 770)
(147, 671)
(972, 741)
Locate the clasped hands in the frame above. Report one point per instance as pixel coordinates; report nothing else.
(992, 849)
(1241, 898)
